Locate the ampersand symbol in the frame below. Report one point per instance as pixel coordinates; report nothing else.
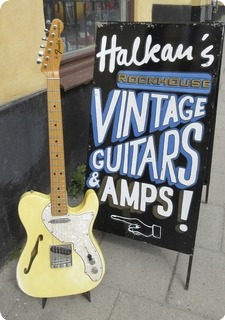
(93, 180)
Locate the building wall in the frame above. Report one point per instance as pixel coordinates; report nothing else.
(23, 116)
(22, 27)
(144, 9)
(24, 160)
(23, 138)
(21, 31)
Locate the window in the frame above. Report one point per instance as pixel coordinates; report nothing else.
(80, 20)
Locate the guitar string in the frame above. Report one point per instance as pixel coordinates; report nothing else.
(50, 163)
(59, 181)
(58, 199)
(53, 145)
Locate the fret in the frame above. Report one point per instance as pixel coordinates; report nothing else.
(57, 168)
(55, 151)
(55, 191)
(58, 172)
(55, 121)
(58, 191)
(55, 112)
(57, 194)
(56, 163)
(57, 156)
(56, 138)
(54, 130)
(55, 126)
(58, 188)
(56, 147)
(53, 154)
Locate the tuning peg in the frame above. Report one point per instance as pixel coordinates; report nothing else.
(39, 61)
(46, 32)
(48, 22)
(44, 39)
(42, 46)
(40, 53)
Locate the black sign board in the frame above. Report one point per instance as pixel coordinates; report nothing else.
(153, 100)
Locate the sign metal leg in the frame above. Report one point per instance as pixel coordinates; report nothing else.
(44, 300)
(87, 295)
(189, 271)
(207, 193)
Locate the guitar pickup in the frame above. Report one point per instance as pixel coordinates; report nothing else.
(61, 256)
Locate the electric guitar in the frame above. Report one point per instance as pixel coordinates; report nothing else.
(61, 256)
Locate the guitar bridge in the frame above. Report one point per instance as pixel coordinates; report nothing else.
(61, 256)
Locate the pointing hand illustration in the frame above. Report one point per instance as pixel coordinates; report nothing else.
(138, 228)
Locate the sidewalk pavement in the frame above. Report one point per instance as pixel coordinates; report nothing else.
(143, 281)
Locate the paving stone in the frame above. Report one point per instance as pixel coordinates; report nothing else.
(210, 227)
(138, 268)
(131, 307)
(206, 294)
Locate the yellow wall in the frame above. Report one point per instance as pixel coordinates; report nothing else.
(21, 30)
(143, 8)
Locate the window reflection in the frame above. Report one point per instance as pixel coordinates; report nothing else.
(81, 18)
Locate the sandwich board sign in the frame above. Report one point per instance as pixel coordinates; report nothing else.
(153, 107)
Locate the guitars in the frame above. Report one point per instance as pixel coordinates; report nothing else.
(61, 256)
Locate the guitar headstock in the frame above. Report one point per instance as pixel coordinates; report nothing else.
(51, 57)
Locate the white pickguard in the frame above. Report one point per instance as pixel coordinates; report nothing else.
(74, 229)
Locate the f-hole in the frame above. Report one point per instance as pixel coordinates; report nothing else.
(33, 254)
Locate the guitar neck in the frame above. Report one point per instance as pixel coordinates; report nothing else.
(56, 147)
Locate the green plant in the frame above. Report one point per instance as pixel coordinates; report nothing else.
(77, 181)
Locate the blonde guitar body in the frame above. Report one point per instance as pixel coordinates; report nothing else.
(61, 256)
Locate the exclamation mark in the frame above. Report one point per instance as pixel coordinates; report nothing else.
(185, 199)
